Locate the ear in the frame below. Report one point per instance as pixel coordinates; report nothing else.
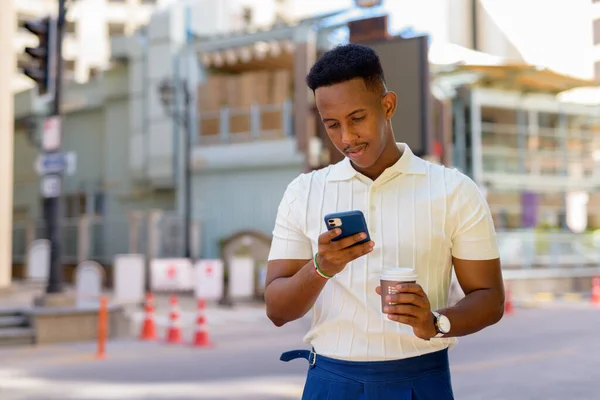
(388, 102)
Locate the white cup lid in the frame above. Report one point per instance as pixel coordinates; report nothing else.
(398, 274)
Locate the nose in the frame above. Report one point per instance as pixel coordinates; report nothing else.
(349, 136)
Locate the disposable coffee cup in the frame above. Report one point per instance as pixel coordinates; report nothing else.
(390, 277)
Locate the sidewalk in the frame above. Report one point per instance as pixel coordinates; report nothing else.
(552, 300)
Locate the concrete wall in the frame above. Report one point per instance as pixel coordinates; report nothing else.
(229, 201)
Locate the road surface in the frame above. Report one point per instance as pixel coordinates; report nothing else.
(546, 354)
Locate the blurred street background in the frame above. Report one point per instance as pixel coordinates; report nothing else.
(146, 145)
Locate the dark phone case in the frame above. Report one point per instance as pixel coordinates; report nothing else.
(353, 222)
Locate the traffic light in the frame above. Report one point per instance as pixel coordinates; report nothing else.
(41, 69)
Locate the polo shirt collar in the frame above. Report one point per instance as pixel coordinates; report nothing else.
(408, 164)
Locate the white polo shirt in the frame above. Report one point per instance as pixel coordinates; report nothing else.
(419, 215)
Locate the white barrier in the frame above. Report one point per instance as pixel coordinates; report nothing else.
(38, 260)
(209, 279)
(241, 277)
(171, 274)
(129, 278)
(89, 277)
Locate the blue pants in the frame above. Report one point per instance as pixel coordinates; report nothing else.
(424, 377)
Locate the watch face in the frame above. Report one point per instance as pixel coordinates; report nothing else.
(443, 324)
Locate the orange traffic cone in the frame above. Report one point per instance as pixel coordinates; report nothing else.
(596, 291)
(201, 338)
(174, 330)
(508, 304)
(148, 328)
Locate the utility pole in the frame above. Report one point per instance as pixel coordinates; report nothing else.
(187, 237)
(46, 71)
(52, 200)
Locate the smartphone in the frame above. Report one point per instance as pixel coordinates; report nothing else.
(350, 222)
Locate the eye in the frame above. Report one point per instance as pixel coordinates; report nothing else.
(358, 119)
(333, 126)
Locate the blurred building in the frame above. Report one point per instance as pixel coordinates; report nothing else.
(6, 144)
(126, 194)
(253, 127)
(596, 36)
(90, 24)
(556, 34)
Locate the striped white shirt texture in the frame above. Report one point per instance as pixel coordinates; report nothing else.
(419, 215)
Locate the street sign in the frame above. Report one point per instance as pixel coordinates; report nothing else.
(56, 163)
(51, 186)
(51, 134)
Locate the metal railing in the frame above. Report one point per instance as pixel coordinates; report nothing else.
(255, 122)
(160, 234)
(546, 249)
(154, 233)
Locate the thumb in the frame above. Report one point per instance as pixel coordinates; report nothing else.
(378, 290)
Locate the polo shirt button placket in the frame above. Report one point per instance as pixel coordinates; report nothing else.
(372, 208)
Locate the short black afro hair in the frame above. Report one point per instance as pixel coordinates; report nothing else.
(344, 63)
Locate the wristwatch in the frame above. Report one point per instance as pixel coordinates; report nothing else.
(442, 324)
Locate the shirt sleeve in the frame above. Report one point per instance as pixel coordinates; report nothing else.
(289, 241)
(474, 236)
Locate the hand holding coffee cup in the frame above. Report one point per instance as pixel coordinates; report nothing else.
(405, 301)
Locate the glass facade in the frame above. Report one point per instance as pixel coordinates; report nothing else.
(539, 161)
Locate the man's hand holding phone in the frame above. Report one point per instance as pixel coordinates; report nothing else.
(333, 256)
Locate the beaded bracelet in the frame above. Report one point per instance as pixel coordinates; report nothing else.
(321, 273)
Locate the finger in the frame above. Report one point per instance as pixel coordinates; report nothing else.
(360, 250)
(348, 242)
(404, 319)
(410, 288)
(325, 237)
(378, 290)
(404, 309)
(406, 298)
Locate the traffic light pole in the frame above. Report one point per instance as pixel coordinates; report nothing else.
(187, 237)
(52, 204)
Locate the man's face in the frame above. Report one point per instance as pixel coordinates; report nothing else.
(355, 117)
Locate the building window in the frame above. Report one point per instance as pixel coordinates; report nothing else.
(247, 15)
(69, 70)
(116, 29)
(70, 27)
(69, 66)
(99, 204)
(93, 72)
(75, 205)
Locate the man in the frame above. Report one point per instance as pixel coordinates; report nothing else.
(419, 215)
